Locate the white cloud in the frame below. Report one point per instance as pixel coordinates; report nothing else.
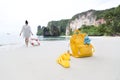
(108, 4)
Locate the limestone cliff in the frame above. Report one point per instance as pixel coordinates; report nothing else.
(84, 18)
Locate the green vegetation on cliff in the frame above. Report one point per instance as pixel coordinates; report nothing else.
(111, 27)
(61, 25)
(55, 28)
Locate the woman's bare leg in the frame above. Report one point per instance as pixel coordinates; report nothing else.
(26, 41)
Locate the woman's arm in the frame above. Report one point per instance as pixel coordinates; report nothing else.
(21, 30)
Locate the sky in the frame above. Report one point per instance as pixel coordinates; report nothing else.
(13, 13)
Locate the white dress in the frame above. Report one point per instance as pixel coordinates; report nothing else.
(26, 30)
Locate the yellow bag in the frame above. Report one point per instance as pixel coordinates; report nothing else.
(65, 56)
(64, 63)
(79, 49)
(77, 38)
(86, 50)
(64, 60)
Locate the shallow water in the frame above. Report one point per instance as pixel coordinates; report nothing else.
(12, 39)
(41, 38)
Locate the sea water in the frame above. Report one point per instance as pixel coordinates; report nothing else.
(15, 38)
(9, 39)
(54, 38)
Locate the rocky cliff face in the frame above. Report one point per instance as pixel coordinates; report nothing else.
(85, 18)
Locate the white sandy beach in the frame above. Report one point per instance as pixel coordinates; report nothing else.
(18, 62)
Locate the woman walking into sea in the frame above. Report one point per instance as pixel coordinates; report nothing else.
(26, 30)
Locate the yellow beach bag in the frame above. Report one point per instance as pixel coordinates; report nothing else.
(64, 63)
(79, 49)
(64, 59)
(86, 50)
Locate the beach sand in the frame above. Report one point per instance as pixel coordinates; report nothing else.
(39, 62)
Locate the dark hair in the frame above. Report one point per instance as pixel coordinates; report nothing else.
(26, 22)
